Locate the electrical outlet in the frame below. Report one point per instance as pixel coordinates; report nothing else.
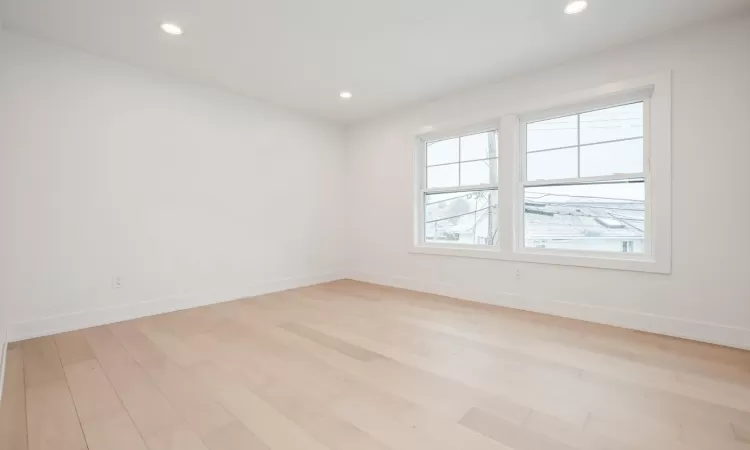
(518, 274)
(116, 282)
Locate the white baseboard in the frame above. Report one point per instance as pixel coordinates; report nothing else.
(671, 326)
(46, 326)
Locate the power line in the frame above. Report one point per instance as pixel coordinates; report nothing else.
(460, 215)
(547, 194)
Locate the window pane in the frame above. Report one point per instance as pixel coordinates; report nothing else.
(478, 146)
(612, 158)
(468, 217)
(552, 133)
(593, 217)
(552, 164)
(479, 172)
(442, 152)
(442, 176)
(620, 122)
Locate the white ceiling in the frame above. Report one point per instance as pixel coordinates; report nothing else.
(389, 53)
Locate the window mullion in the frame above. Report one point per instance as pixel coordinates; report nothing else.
(458, 166)
(578, 141)
(507, 181)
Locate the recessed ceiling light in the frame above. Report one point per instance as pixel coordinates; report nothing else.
(345, 94)
(171, 29)
(575, 6)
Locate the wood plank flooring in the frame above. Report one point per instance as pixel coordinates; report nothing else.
(349, 365)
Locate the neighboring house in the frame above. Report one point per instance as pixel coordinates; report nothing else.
(552, 221)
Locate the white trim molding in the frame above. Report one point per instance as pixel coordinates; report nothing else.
(708, 332)
(45, 326)
(633, 264)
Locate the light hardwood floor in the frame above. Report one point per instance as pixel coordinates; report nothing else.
(348, 366)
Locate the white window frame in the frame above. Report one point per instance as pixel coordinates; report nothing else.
(420, 164)
(654, 91)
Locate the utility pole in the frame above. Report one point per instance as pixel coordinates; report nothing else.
(489, 219)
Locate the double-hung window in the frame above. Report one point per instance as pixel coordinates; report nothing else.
(583, 181)
(458, 192)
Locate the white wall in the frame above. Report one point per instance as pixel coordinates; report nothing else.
(194, 196)
(189, 194)
(707, 296)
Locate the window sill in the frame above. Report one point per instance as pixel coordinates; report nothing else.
(634, 264)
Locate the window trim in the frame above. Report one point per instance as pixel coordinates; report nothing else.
(654, 90)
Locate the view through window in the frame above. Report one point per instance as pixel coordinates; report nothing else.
(584, 186)
(460, 195)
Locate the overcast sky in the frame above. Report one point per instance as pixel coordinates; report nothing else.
(553, 153)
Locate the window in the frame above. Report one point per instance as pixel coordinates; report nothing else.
(584, 183)
(459, 190)
(583, 180)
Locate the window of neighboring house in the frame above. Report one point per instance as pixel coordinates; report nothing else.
(584, 181)
(459, 190)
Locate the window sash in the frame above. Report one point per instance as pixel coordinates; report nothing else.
(642, 96)
(422, 161)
